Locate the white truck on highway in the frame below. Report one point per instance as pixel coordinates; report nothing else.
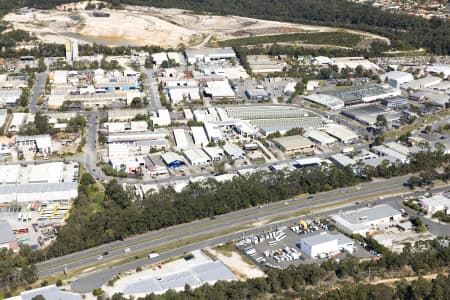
(153, 255)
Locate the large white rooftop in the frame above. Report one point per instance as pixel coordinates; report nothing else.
(49, 172)
(199, 136)
(370, 214)
(173, 275)
(325, 237)
(437, 201)
(219, 89)
(49, 293)
(342, 133)
(329, 101)
(196, 156)
(320, 137)
(180, 138)
(226, 52)
(9, 174)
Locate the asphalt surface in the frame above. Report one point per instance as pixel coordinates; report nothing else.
(38, 87)
(153, 90)
(90, 153)
(98, 278)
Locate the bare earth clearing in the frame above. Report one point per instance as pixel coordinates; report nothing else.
(237, 265)
(138, 26)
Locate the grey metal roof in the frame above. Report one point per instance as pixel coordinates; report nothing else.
(6, 232)
(257, 93)
(160, 284)
(37, 187)
(326, 237)
(198, 275)
(343, 240)
(149, 285)
(343, 160)
(50, 293)
(226, 51)
(179, 280)
(318, 239)
(213, 271)
(369, 214)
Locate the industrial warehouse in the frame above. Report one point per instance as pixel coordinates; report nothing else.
(365, 94)
(294, 144)
(325, 244)
(368, 114)
(46, 181)
(367, 220)
(271, 119)
(90, 89)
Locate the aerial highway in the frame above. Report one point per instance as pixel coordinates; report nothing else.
(148, 240)
(96, 279)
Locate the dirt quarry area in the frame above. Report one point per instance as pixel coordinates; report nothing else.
(138, 26)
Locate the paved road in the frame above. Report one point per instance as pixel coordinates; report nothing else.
(98, 278)
(152, 88)
(147, 240)
(91, 144)
(39, 85)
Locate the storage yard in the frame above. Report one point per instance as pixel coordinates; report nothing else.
(315, 240)
(35, 199)
(306, 241)
(37, 223)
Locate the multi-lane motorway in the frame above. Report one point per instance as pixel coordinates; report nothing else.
(150, 240)
(96, 279)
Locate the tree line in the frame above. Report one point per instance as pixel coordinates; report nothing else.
(336, 38)
(16, 269)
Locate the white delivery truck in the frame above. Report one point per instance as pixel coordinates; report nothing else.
(348, 150)
(153, 255)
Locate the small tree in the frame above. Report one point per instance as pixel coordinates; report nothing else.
(379, 140)
(136, 102)
(59, 282)
(87, 179)
(381, 121)
(97, 292)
